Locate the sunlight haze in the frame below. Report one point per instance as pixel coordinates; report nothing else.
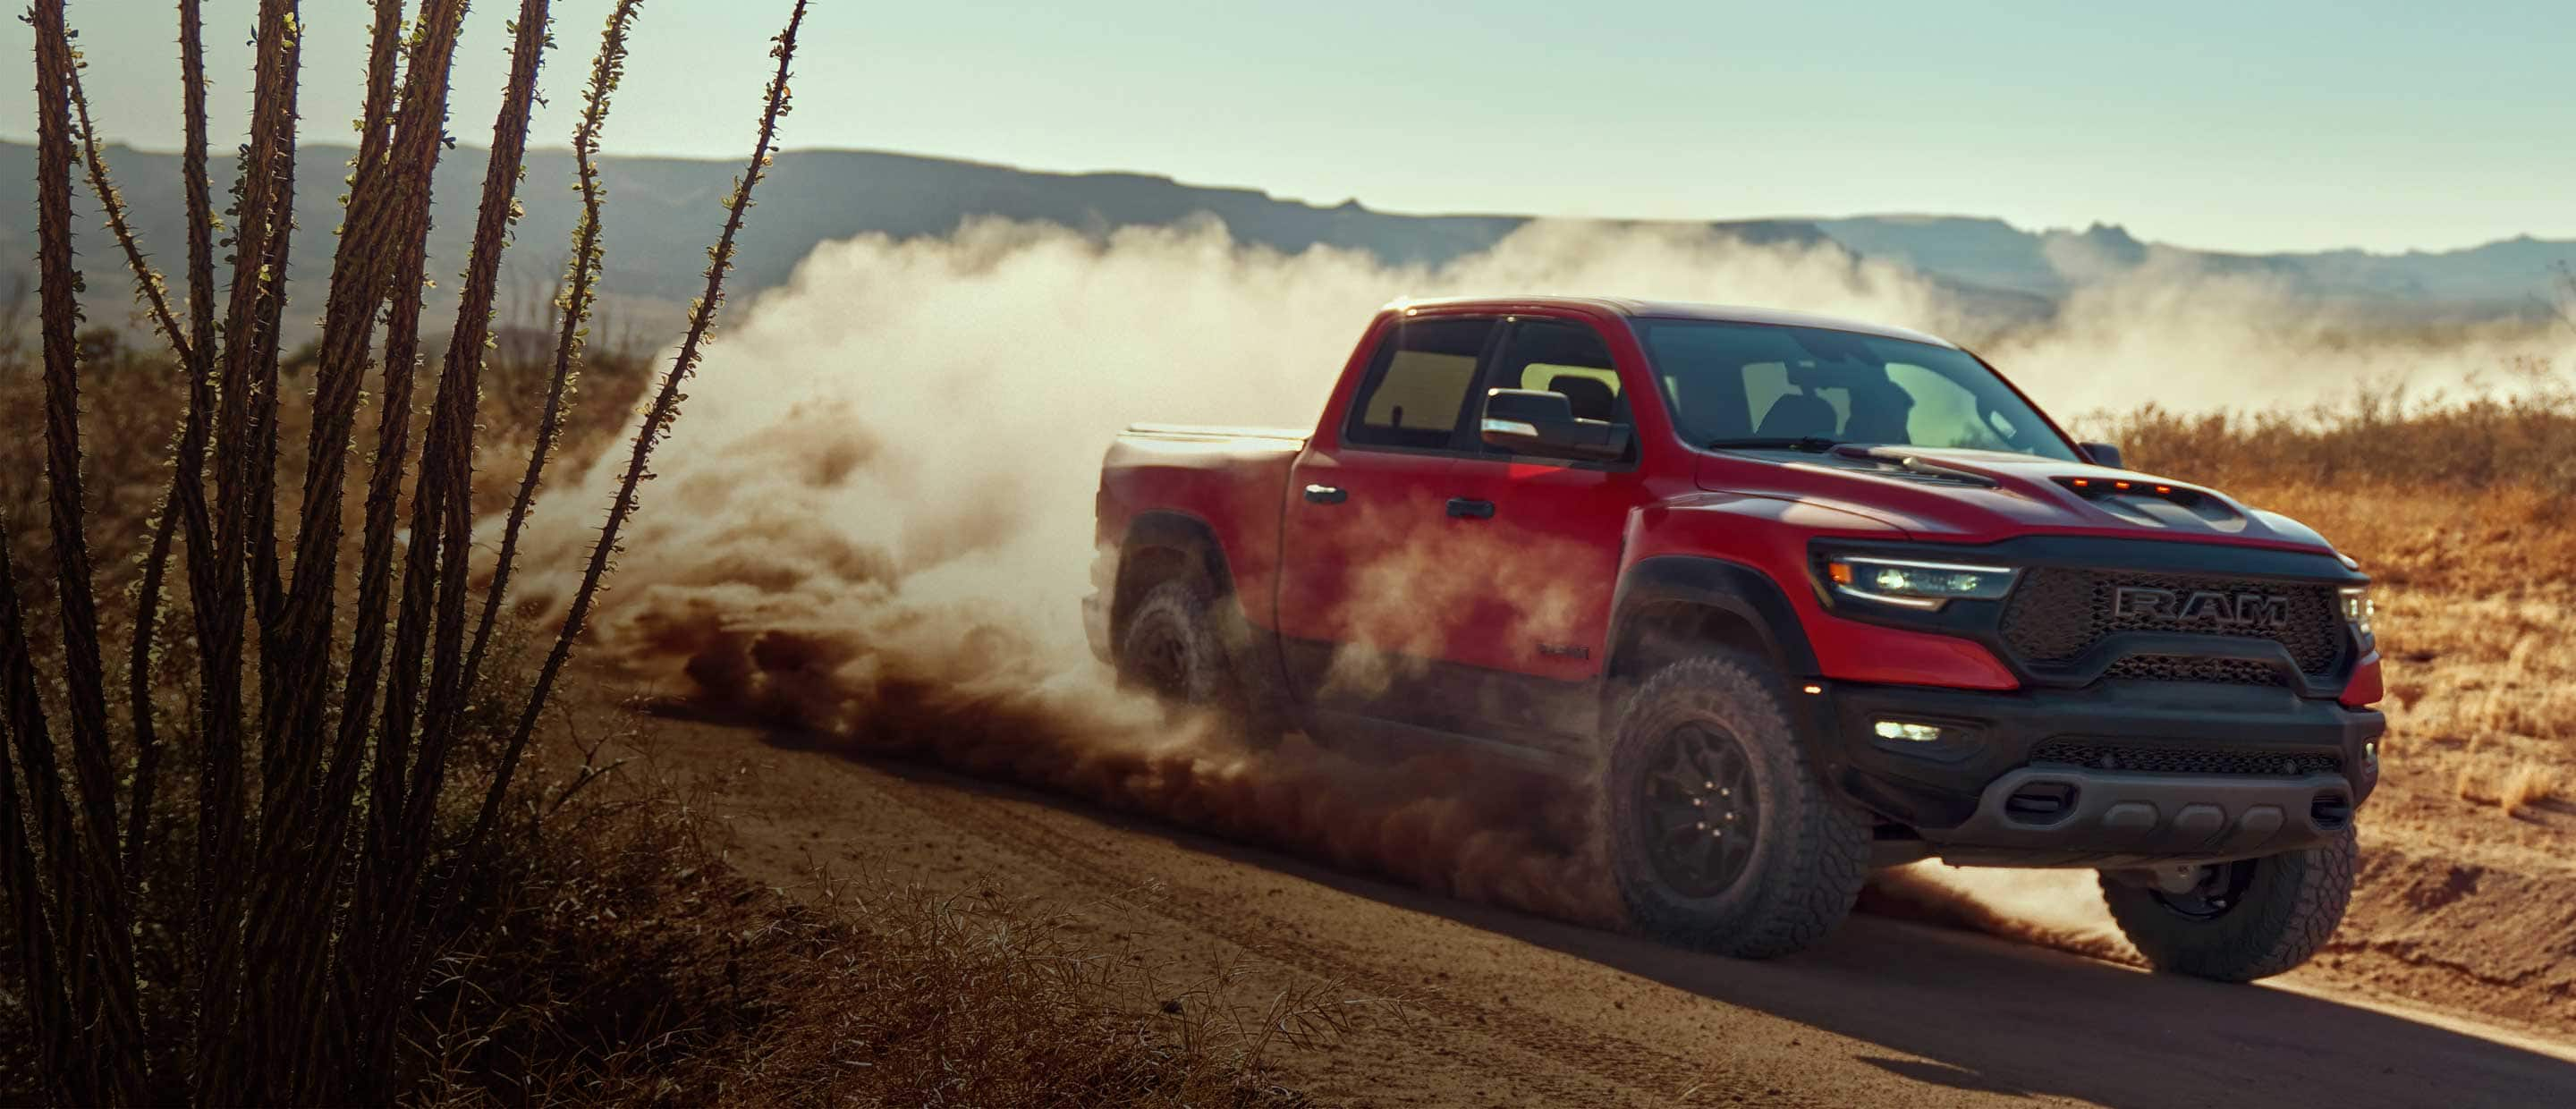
(2285, 126)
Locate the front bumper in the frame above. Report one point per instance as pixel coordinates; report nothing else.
(2118, 774)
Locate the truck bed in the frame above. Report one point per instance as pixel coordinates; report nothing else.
(1201, 432)
(1230, 480)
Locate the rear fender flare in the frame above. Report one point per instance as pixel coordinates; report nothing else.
(1185, 537)
(1253, 652)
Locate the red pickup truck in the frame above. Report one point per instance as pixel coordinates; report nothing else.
(1802, 596)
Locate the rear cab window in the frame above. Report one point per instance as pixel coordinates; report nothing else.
(1419, 386)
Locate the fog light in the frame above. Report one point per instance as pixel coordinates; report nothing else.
(1913, 733)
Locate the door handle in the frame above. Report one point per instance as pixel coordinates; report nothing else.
(1466, 509)
(1326, 494)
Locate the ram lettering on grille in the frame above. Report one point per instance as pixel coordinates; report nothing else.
(2202, 606)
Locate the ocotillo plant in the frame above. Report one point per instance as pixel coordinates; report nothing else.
(319, 741)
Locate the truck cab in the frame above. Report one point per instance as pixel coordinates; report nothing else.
(1796, 596)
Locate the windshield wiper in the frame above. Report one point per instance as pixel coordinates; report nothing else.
(1812, 444)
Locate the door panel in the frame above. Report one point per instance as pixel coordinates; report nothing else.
(1360, 613)
(1548, 564)
(1350, 614)
(1549, 559)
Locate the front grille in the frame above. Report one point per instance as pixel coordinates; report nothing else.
(2182, 760)
(2056, 614)
(2184, 668)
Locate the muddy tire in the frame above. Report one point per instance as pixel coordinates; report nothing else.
(1175, 648)
(1721, 835)
(2243, 920)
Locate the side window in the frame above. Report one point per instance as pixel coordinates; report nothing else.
(1417, 387)
(1560, 356)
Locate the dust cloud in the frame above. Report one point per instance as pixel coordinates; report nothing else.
(2048, 908)
(874, 520)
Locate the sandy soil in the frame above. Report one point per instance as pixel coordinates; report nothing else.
(1504, 1008)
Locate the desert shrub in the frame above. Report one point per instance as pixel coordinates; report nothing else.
(242, 838)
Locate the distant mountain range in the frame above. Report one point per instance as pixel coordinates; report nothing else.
(663, 211)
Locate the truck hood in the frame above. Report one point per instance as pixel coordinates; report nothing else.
(1975, 496)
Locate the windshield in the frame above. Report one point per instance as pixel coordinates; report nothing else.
(1758, 385)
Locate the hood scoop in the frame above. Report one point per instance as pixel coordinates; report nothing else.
(2156, 503)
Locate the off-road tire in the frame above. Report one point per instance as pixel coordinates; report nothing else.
(2287, 909)
(1810, 848)
(1174, 647)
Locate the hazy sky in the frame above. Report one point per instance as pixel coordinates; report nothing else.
(2246, 125)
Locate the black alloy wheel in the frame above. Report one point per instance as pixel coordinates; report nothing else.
(1159, 660)
(1701, 811)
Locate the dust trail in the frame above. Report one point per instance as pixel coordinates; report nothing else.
(874, 521)
(2046, 908)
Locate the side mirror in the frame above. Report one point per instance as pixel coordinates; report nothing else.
(1530, 421)
(2104, 454)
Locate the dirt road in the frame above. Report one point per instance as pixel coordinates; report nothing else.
(1511, 1009)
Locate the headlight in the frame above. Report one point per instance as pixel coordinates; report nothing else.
(2357, 611)
(1924, 585)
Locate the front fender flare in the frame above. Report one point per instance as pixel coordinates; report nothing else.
(1734, 588)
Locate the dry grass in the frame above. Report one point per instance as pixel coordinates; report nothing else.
(2516, 428)
(2529, 785)
(129, 404)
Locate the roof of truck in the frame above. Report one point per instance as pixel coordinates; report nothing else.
(1678, 310)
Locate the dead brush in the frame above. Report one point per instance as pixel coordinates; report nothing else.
(2529, 786)
(2508, 707)
(2516, 429)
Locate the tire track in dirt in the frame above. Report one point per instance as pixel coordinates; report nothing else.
(1522, 1010)
(1618, 1064)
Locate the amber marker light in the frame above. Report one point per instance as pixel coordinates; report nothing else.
(1842, 573)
